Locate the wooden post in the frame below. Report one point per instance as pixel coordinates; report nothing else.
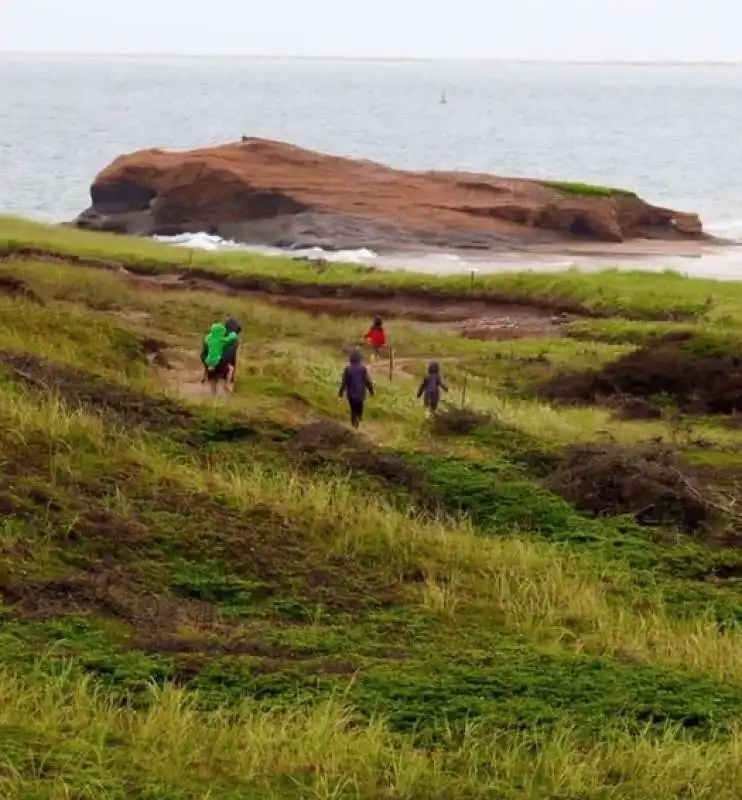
(391, 362)
(472, 273)
(463, 393)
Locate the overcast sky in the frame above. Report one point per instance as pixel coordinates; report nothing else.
(646, 30)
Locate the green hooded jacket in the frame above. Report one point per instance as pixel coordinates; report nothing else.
(216, 340)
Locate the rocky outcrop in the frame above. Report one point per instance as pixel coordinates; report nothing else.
(265, 192)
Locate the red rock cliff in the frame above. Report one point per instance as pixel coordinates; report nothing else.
(268, 192)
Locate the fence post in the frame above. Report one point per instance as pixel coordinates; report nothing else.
(463, 393)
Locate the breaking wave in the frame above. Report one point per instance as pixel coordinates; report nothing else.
(205, 241)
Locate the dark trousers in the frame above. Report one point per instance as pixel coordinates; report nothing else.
(356, 412)
(219, 372)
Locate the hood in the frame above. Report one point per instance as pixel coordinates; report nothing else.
(378, 323)
(355, 357)
(215, 341)
(232, 326)
(217, 330)
(433, 367)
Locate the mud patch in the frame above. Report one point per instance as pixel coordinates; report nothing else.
(327, 442)
(156, 352)
(636, 408)
(79, 388)
(15, 287)
(459, 421)
(683, 369)
(109, 593)
(648, 482)
(225, 431)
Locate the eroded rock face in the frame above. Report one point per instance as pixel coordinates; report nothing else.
(265, 192)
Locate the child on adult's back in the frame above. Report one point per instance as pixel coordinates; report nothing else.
(215, 355)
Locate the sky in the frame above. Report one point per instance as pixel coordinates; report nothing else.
(564, 30)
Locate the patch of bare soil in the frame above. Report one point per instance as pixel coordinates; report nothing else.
(697, 381)
(328, 442)
(648, 482)
(636, 408)
(514, 324)
(15, 287)
(474, 318)
(77, 387)
(459, 421)
(113, 593)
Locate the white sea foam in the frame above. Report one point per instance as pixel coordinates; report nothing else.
(205, 241)
(721, 264)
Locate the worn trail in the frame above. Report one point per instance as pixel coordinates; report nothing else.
(478, 314)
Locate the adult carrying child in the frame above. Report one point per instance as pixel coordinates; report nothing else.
(216, 356)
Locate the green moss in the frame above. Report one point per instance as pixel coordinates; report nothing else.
(588, 190)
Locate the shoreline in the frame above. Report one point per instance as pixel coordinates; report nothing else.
(718, 259)
(718, 263)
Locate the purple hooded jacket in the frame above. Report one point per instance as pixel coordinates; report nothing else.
(432, 384)
(356, 380)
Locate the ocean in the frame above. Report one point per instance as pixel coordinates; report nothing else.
(671, 133)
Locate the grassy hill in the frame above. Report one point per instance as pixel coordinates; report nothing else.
(535, 597)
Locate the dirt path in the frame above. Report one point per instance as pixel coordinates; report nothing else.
(472, 318)
(475, 315)
(181, 372)
(410, 367)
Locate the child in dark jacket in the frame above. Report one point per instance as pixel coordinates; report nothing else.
(354, 384)
(430, 388)
(376, 337)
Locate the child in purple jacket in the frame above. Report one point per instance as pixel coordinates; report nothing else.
(430, 388)
(354, 385)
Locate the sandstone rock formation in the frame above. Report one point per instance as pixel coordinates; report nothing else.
(266, 192)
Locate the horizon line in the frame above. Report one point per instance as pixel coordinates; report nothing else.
(392, 59)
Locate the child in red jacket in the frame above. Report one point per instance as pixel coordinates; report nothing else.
(376, 337)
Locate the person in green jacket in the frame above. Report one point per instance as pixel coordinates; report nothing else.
(216, 366)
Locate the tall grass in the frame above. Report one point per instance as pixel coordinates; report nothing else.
(74, 741)
(537, 589)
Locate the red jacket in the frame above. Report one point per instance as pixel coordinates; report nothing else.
(376, 337)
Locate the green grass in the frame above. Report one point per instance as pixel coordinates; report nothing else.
(637, 295)
(194, 607)
(587, 189)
